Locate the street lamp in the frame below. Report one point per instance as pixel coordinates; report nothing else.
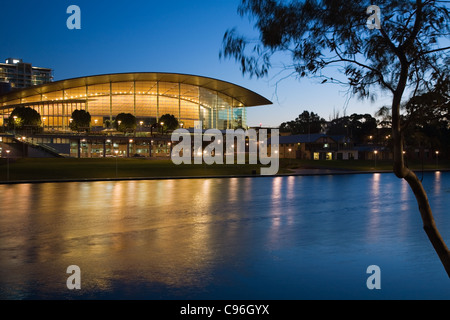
(116, 152)
(437, 159)
(15, 118)
(375, 152)
(162, 128)
(129, 147)
(7, 164)
(23, 146)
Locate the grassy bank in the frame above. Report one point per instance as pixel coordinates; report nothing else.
(66, 169)
(359, 165)
(55, 169)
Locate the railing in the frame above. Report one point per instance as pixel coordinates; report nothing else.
(41, 146)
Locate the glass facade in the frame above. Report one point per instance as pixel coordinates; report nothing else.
(142, 98)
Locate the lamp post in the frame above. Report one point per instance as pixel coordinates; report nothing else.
(15, 118)
(116, 152)
(23, 147)
(437, 159)
(375, 153)
(130, 146)
(7, 164)
(162, 127)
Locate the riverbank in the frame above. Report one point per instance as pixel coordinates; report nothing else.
(63, 170)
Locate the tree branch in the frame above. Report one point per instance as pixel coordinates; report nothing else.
(434, 50)
(417, 25)
(380, 75)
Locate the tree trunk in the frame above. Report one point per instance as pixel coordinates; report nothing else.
(428, 221)
(403, 172)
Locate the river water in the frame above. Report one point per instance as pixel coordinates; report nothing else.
(293, 237)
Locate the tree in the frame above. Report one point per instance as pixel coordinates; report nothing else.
(24, 117)
(125, 122)
(80, 121)
(170, 122)
(400, 55)
(427, 120)
(428, 107)
(305, 123)
(357, 126)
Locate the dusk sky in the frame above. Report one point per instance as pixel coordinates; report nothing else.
(158, 36)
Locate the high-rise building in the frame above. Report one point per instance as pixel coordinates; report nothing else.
(18, 74)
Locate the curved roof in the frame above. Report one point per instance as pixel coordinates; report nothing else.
(247, 97)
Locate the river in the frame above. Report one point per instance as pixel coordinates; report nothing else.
(293, 237)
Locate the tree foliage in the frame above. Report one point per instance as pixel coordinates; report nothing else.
(404, 55)
(427, 120)
(170, 122)
(306, 122)
(24, 117)
(125, 122)
(356, 126)
(80, 120)
(328, 34)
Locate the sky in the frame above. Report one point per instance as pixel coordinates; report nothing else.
(159, 36)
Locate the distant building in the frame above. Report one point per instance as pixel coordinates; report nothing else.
(317, 146)
(15, 73)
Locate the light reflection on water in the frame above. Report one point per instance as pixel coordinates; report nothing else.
(239, 238)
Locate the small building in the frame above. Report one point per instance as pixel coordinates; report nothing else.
(372, 152)
(317, 146)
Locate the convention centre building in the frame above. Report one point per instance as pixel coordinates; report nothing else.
(218, 104)
(148, 96)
